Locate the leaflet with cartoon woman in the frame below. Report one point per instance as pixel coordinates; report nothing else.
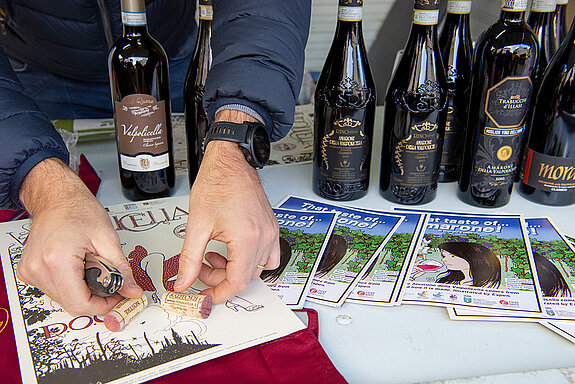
(474, 261)
(55, 347)
(355, 242)
(303, 238)
(554, 258)
(381, 283)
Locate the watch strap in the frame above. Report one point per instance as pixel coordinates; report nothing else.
(226, 131)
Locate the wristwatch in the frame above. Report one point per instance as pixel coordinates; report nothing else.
(252, 138)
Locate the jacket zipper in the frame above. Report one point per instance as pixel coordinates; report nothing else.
(106, 22)
(3, 21)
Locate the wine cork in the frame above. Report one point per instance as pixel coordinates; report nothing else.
(187, 304)
(124, 312)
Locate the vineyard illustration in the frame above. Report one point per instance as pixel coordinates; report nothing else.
(392, 257)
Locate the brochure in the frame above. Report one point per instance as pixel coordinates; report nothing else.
(357, 239)
(303, 238)
(474, 261)
(54, 347)
(381, 283)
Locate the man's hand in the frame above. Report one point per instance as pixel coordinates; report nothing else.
(67, 222)
(228, 203)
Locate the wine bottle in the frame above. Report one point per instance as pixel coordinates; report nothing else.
(138, 69)
(502, 82)
(541, 21)
(415, 114)
(549, 176)
(344, 112)
(196, 120)
(559, 22)
(457, 53)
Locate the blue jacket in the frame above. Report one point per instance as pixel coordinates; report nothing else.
(258, 57)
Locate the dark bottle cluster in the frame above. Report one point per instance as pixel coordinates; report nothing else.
(195, 115)
(502, 80)
(139, 83)
(344, 112)
(415, 115)
(549, 176)
(457, 52)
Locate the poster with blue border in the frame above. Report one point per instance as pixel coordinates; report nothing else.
(303, 238)
(474, 261)
(356, 240)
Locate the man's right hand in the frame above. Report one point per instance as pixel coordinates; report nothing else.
(68, 222)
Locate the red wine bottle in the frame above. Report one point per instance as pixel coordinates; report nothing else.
(138, 69)
(415, 114)
(457, 53)
(504, 65)
(559, 21)
(344, 112)
(549, 176)
(196, 120)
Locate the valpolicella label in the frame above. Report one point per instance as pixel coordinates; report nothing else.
(141, 133)
(350, 10)
(514, 5)
(206, 11)
(134, 19)
(549, 173)
(344, 153)
(543, 5)
(459, 7)
(498, 145)
(415, 155)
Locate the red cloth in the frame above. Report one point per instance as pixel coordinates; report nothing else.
(296, 358)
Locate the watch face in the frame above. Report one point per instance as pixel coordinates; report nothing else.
(261, 145)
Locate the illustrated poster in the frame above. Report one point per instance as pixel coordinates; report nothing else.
(554, 259)
(357, 239)
(303, 237)
(381, 283)
(54, 347)
(474, 261)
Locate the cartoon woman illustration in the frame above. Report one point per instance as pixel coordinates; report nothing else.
(334, 252)
(550, 279)
(469, 264)
(271, 276)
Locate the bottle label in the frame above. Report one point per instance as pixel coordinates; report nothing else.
(543, 5)
(549, 173)
(459, 7)
(141, 133)
(514, 5)
(134, 19)
(498, 145)
(345, 153)
(426, 12)
(350, 10)
(206, 12)
(415, 156)
(562, 2)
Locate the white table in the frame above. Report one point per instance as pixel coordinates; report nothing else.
(409, 343)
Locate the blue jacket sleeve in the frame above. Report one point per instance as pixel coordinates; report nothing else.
(258, 58)
(28, 136)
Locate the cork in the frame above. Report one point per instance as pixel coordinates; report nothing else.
(187, 304)
(124, 312)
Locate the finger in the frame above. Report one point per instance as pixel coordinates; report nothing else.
(238, 274)
(112, 253)
(216, 260)
(273, 260)
(211, 276)
(191, 257)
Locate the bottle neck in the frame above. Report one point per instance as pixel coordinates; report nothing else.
(513, 11)
(134, 17)
(349, 23)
